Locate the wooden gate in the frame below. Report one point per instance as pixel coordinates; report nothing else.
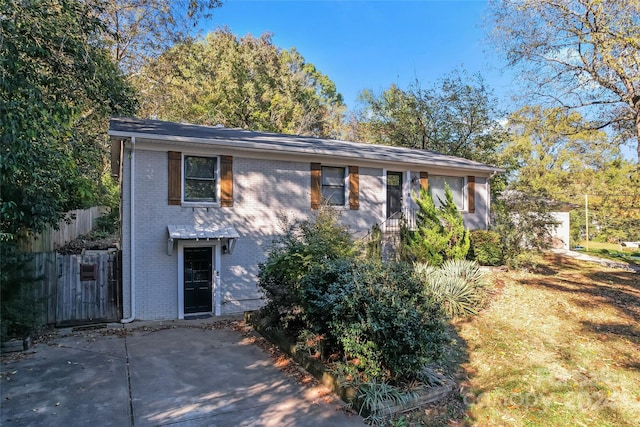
(88, 288)
(79, 289)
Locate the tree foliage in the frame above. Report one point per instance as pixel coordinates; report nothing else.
(578, 54)
(245, 82)
(140, 30)
(440, 233)
(378, 319)
(457, 116)
(551, 150)
(57, 90)
(555, 155)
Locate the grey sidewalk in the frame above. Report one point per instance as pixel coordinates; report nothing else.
(183, 376)
(590, 258)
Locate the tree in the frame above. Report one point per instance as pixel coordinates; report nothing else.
(552, 151)
(243, 82)
(554, 156)
(440, 233)
(455, 233)
(58, 88)
(140, 30)
(458, 116)
(427, 243)
(580, 54)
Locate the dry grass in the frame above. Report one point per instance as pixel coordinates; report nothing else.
(557, 347)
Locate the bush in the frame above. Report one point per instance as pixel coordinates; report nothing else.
(440, 233)
(304, 244)
(108, 223)
(427, 243)
(458, 286)
(19, 307)
(486, 247)
(374, 244)
(376, 319)
(523, 221)
(377, 315)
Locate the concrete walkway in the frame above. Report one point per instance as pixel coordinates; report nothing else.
(183, 373)
(590, 258)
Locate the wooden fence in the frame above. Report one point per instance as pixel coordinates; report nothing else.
(78, 289)
(78, 223)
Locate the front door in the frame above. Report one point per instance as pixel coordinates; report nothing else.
(198, 276)
(394, 193)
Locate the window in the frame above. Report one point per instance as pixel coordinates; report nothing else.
(333, 185)
(200, 179)
(329, 183)
(437, 186)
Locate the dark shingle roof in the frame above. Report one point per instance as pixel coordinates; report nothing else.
(273, 142)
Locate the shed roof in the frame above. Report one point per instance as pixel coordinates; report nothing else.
(126, 127)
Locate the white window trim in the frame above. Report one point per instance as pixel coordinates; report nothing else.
(347, 172)
(465, 190)
(216, 293)
(195, 204)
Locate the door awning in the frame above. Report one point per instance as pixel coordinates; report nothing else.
(202, 232)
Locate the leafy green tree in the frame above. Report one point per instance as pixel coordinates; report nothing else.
(440, 233)
(457, 116)
(555, 156)
(140, 30)
(455, 233)
(427, 243)
(552, 150)
(580, 54)
(245, 82)
(523, 220)
(57, 90)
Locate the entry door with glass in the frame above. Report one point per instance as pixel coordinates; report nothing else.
(198, 284)
(394, 193)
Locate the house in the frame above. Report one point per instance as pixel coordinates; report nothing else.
(200, 205)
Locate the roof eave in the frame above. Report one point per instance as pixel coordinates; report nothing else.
(285, 150)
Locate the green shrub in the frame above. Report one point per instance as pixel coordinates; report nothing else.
(486, 247)
(377, 316)
(20, 314)
(523, 221)
(526, 260)
(374, 245)
(440, 233)
(427, 243)
(458, 286)
(304, 244)
(455, 233)
(108, 223)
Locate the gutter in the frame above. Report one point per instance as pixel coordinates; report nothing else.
(132, 246)
(399, 155)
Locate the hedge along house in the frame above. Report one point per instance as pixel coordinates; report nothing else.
(201, 205)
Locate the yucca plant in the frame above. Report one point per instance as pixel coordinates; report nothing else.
(459, 286)
(376, 398)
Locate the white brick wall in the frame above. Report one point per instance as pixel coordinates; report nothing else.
(262, 189)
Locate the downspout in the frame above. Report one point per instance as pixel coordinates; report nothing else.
(488, 189)
(132, 246)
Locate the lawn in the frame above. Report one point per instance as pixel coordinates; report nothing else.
(612, 251)
(558, 346)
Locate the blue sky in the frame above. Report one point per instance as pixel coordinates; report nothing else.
(371, 44)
